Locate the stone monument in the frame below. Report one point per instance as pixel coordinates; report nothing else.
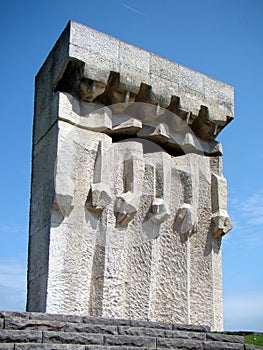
(128, 200)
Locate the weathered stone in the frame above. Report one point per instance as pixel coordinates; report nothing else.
(225, 338)
(253, 347)
(222, 346)
(160, 333)
(13, 336)
(179, 344)
(221, 223)
(4, 314)
(104, 347)
(193, 328)
(6, 346)
(128, 202)
(106, 321)
(129, 127)
(158, 134)
(72, 337)
(49, 347)
(130, 341)
(22, 324)
(90, 328)
(101, 334)
(54, 317)
(147, 324)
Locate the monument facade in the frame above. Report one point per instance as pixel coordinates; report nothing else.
(128, 199)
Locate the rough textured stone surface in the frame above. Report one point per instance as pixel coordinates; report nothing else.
(49, 347)
(222, 346)
(120, 347)
(7, 346)
(72, 337)
(21, 324)
(90, 328)
(179, 344)
(160, 325)
(225, 338)
(81, 335)
(54, 317)
(11, 336)
(144, 341)
(106, 321)
(161, 333)
(187, 327)
(128, 199)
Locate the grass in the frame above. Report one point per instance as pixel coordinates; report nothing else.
(254, 339)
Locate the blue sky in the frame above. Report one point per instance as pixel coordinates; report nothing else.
(220, 38)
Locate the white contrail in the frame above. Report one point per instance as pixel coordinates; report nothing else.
(132, 9)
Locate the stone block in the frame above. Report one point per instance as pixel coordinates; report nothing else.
(142, 331)
(97, 67)
(106, 321)
(51, 71)
(55, 317)
(7, 346)
(123, 340)
(134, 57)
(217, 91)
(163, 68)
(193, 328)
(126, 126)
(90, 328)
(15, 336)
(211, 147)
(179, 344)
(149, 324)
(225, 338)
(222, 346)
(39, 346)
(131, 79)
(94, 41)
(191, 100)
(4, 314)
(33, 325)
(164, 89)
(191, 80)
(103, 347)
(72, 338)
(160, 333)
(92, 116)
(185, 221)
(252, 347)
(221, 223)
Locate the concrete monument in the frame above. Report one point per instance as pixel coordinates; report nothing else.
(128, 200)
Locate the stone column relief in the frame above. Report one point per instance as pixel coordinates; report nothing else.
(128, 199)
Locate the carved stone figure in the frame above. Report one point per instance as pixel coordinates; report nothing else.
(128, 200)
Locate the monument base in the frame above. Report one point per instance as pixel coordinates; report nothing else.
(24, 330)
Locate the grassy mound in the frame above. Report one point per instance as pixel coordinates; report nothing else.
(254, 339)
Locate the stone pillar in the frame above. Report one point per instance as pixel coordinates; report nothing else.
(128, 200)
